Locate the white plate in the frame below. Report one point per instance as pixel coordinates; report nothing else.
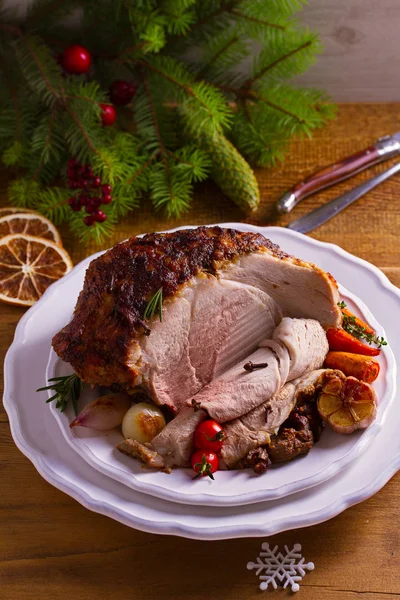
(230, 488)
(36, 434)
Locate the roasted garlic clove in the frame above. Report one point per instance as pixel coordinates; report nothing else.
(347, 404)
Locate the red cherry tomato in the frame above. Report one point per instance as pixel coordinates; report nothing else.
(209, 435)
(204, 463)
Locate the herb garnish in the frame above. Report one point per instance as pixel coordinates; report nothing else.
(350, 325)
(154, 305)
(66, 388)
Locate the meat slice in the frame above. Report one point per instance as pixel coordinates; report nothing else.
(172, 447)
(300, 288)
(141, 452)
(306, 342)
(109, 342)
(237, 391)
(244, 433)
(175, 442)
(180, 356)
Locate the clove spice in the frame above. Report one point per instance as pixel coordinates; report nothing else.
(250, 366)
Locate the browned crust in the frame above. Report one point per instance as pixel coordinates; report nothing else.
(119, 284)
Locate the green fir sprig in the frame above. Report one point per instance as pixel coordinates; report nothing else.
(207, 73)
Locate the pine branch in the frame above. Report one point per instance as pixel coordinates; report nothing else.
(13, 94)
(217, 55)
(242, 15)
(44, 154)
(160, 142)
(295, 49)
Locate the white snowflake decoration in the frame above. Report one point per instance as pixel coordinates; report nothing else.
(278, 567)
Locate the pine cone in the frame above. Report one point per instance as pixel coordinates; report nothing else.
(231, 172)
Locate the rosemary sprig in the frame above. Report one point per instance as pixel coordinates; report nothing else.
(66, 388)
(154, 305)
(350, 325)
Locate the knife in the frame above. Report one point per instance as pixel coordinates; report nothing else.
(386, 147)
(322, 214)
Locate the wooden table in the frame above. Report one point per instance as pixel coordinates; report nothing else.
(53, 548)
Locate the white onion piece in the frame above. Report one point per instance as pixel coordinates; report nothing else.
(104, 413)
(143, 422)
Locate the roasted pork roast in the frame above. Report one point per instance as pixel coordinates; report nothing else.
(223, 291)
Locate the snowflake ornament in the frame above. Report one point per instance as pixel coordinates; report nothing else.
(277, 567)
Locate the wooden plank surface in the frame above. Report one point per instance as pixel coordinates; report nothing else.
(53, 548)
(360, 45)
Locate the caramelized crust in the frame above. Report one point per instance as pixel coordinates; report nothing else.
(118, 285)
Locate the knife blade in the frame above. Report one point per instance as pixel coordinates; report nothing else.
(321, 215)
(385, 148)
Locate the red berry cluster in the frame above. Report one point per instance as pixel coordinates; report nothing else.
(82, 177)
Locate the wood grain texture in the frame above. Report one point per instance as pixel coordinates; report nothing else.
(360, 37)
(53, 549)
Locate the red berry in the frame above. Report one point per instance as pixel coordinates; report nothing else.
(83, 198)
(99, 216)
(122, 92)
(73, 163)
(74, 204)
(108, 114)
(89, 220)
(74, 185)
(76, 59)
(96, 182)
(107, 198)
(71, 173)
(106, 188)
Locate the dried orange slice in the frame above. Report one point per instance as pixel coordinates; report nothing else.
(29, 224)
(28, 266)
(11, 210)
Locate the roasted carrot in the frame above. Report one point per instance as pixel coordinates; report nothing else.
(359, 366)
(341, 340)
(358, 321)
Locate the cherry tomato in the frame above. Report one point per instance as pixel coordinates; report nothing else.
(209, 435)
(204, 463)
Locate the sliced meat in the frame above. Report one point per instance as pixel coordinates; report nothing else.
(173, 446)
(228, 321)
(301, 289)
(180, 356)
(306, 342)
(240, 441)
(141, 452)
(175, 442)
(106, 341)
(237, 391)
(244, 433)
